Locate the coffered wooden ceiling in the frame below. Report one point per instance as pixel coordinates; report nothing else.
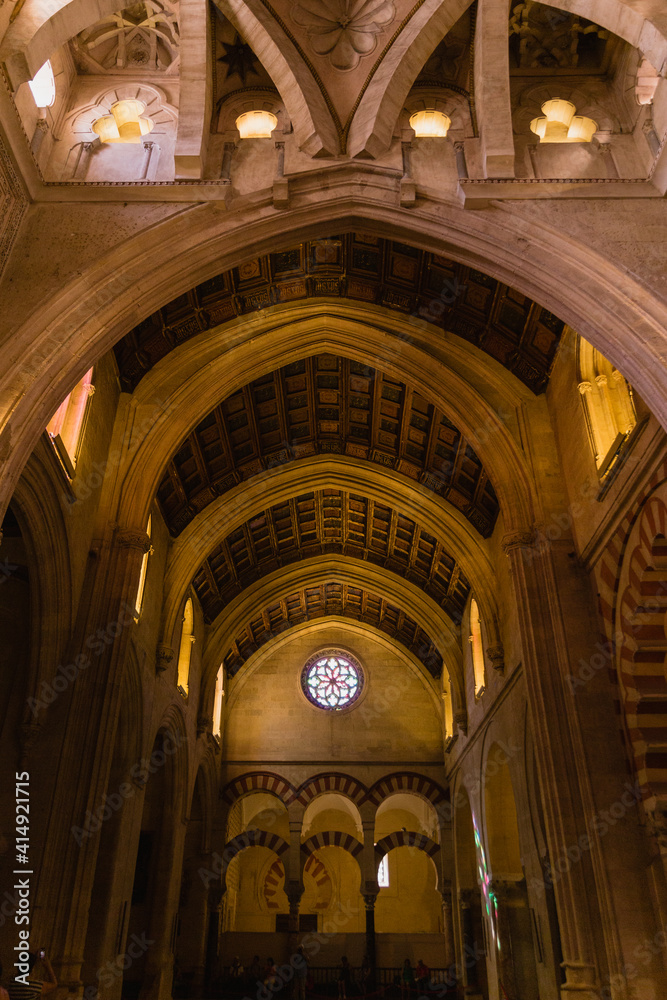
(511, 328)
(325, 404)
(329, 522)
(339, 599)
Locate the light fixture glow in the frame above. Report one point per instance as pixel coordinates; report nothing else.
(256, 124)
(430, 124)
(560, 124)
(125, 123)
(43, 86)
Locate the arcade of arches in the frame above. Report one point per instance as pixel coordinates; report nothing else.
(333, 482)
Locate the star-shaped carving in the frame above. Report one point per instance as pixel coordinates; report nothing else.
(238, 58)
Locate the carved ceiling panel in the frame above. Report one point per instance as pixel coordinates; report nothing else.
(329, 522)
(332, 599)
(544, 38)
(325, 404)
(142, 37)
(508, 326)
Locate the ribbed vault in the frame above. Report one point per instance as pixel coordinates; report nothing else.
(460, 300)
(332, 598)
(325, 405)
(332, 522)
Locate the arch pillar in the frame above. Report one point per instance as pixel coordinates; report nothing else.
(90, 709)
(448, 922)
(543, 637)
(468, 901)
(216, 894)
(369, 902)
(197, 902)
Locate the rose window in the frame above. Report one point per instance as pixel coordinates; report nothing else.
(332, 679)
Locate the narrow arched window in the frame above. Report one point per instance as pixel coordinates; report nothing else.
(67, 424)
(185, 649)
(43, 86)
(448, 710)
(144, 569)
(608, 404)
(217, 703)
(477, 648)
(383, 873)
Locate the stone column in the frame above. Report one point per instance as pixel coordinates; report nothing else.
(467, 898)
(408, 187)
(461, 165)
(149, 151)
(41, 129)
(504, 959)
(652, 138)
(226, 168)
(294, 892)
(196, 918)
(88, 721)
(157, 984)
(83, 161)
(215, 897)
(448, 924)
(609, 162)
(280, 183)
(492, 89)
(369, 903)
(544, 642)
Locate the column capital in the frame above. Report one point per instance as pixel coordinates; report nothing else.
(370, 894)
(504, 888)
(585, 387)
(133, 538)
(467, 897)
(164, 654)
(520, 539)
(461, 720)
(496, 654)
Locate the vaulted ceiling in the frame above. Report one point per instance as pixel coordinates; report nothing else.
(338, 599)
(325, 404)
(329, 521)
(508, 326)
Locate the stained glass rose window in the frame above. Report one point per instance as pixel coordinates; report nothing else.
(332, 679)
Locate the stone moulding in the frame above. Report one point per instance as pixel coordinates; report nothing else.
(13, 205)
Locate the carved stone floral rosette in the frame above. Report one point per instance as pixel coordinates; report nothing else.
(344, 30)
